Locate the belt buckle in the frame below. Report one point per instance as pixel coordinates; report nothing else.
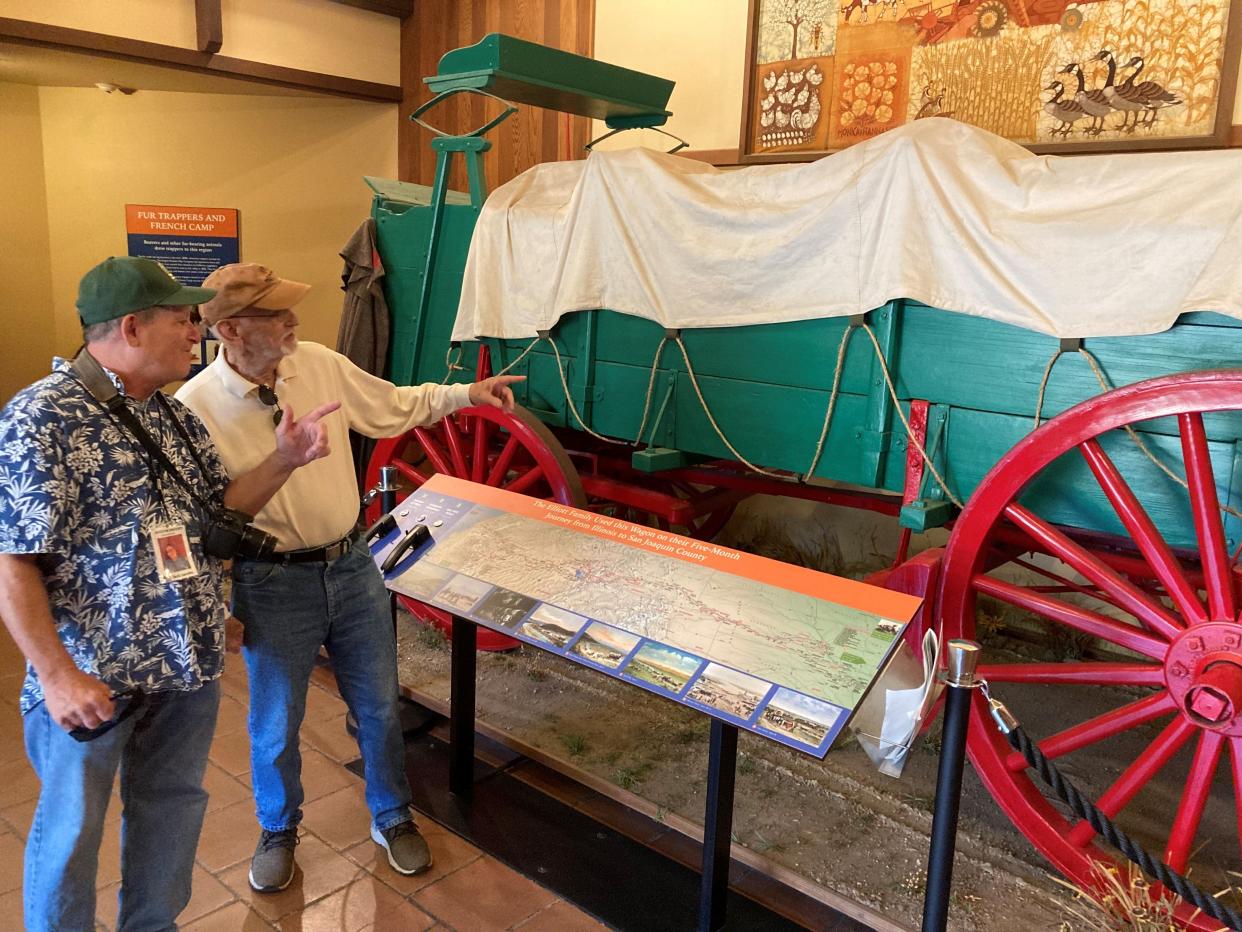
(337, 550)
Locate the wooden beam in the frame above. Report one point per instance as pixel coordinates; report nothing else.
(398, 8)
(208, 25)
(172, 56)
(712, 156)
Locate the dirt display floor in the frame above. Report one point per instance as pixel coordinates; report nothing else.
(837, 822)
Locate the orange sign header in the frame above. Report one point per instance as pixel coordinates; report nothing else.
(180, 221)
(837, 589)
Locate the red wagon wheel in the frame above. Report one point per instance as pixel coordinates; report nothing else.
(483, 444)
(1170, 616)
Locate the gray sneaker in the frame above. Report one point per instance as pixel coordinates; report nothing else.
(271, 868)
(407, 849)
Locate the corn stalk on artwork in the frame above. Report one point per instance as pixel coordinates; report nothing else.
(1050, 74)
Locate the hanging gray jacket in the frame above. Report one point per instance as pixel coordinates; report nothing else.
(364, 332)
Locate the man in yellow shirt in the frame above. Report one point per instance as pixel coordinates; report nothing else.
(320, 587)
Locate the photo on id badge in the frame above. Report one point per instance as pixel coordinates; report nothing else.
(173, 559)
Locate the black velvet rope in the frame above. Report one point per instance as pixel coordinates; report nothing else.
(1086, 809)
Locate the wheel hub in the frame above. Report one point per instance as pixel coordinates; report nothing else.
(1203, 671)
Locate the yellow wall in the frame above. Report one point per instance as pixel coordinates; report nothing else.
(26, 318)
(292, 165)
(702, 47)
(314, 35)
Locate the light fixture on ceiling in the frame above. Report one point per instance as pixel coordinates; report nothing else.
(113, 88)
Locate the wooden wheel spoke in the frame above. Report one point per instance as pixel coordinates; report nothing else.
(1143, 530)
(1218, 578)
(436, 453)
(1064, 584)
(478, 458)
(525, 480)
(1155, 616)
(1100, 728)
(1091, 674)
(501, 467)
(452, 436)
(1194, 798)
(1080, 619)
(1137, 775)
(408, 471)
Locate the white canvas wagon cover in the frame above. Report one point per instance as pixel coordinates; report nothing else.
(936, 211)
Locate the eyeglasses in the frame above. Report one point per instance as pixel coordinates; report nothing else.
(267, 395)
(261, 313)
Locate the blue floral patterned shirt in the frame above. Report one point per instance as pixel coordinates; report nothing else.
(78, 490)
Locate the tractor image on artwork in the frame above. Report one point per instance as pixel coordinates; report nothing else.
(983, 19)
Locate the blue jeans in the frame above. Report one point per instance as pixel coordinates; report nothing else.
(289, 612)
(161, 751)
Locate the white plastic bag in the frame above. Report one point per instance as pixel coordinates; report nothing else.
(890, 717)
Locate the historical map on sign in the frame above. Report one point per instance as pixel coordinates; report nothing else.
(783, 651)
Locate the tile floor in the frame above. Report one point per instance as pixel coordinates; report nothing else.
(344, 882)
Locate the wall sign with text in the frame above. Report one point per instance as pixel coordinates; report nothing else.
(191, 242)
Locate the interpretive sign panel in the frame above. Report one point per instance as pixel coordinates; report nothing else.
(191, 242)
(777, 649)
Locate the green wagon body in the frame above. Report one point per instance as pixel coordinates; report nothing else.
(768, 385)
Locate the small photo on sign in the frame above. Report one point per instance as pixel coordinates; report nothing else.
(422, 580)
(664, 667)
(885, 626)
(552, 625)
(737, 694)
(462, 593)
(802, 718)
(504, 607)
(604, 645)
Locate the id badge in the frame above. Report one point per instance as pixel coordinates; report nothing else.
(173, 559)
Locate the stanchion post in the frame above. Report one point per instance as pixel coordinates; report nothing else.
(461, 708)
(960, 682)
(718, 826)
(387, 489)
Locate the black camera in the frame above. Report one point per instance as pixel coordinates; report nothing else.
(230, 534)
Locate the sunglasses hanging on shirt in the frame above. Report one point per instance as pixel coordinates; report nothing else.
(267, 395)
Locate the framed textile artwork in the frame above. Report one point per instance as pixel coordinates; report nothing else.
(1053, 75)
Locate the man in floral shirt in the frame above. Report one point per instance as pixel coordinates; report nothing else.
(114, 636)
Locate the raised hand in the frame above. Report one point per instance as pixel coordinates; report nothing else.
(495, 392)
(303, 440)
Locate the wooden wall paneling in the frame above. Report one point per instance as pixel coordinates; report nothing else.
(531, 135)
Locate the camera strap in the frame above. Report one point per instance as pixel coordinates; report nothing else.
(102, 390)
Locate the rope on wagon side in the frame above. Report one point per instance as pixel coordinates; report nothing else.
(832, 399)
(1107, 385)
(522, 355)
(892, 392)
(655, 366)
(712, 420)
(451, 365)
(560, 368)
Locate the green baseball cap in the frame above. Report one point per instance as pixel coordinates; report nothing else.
(121, 285)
